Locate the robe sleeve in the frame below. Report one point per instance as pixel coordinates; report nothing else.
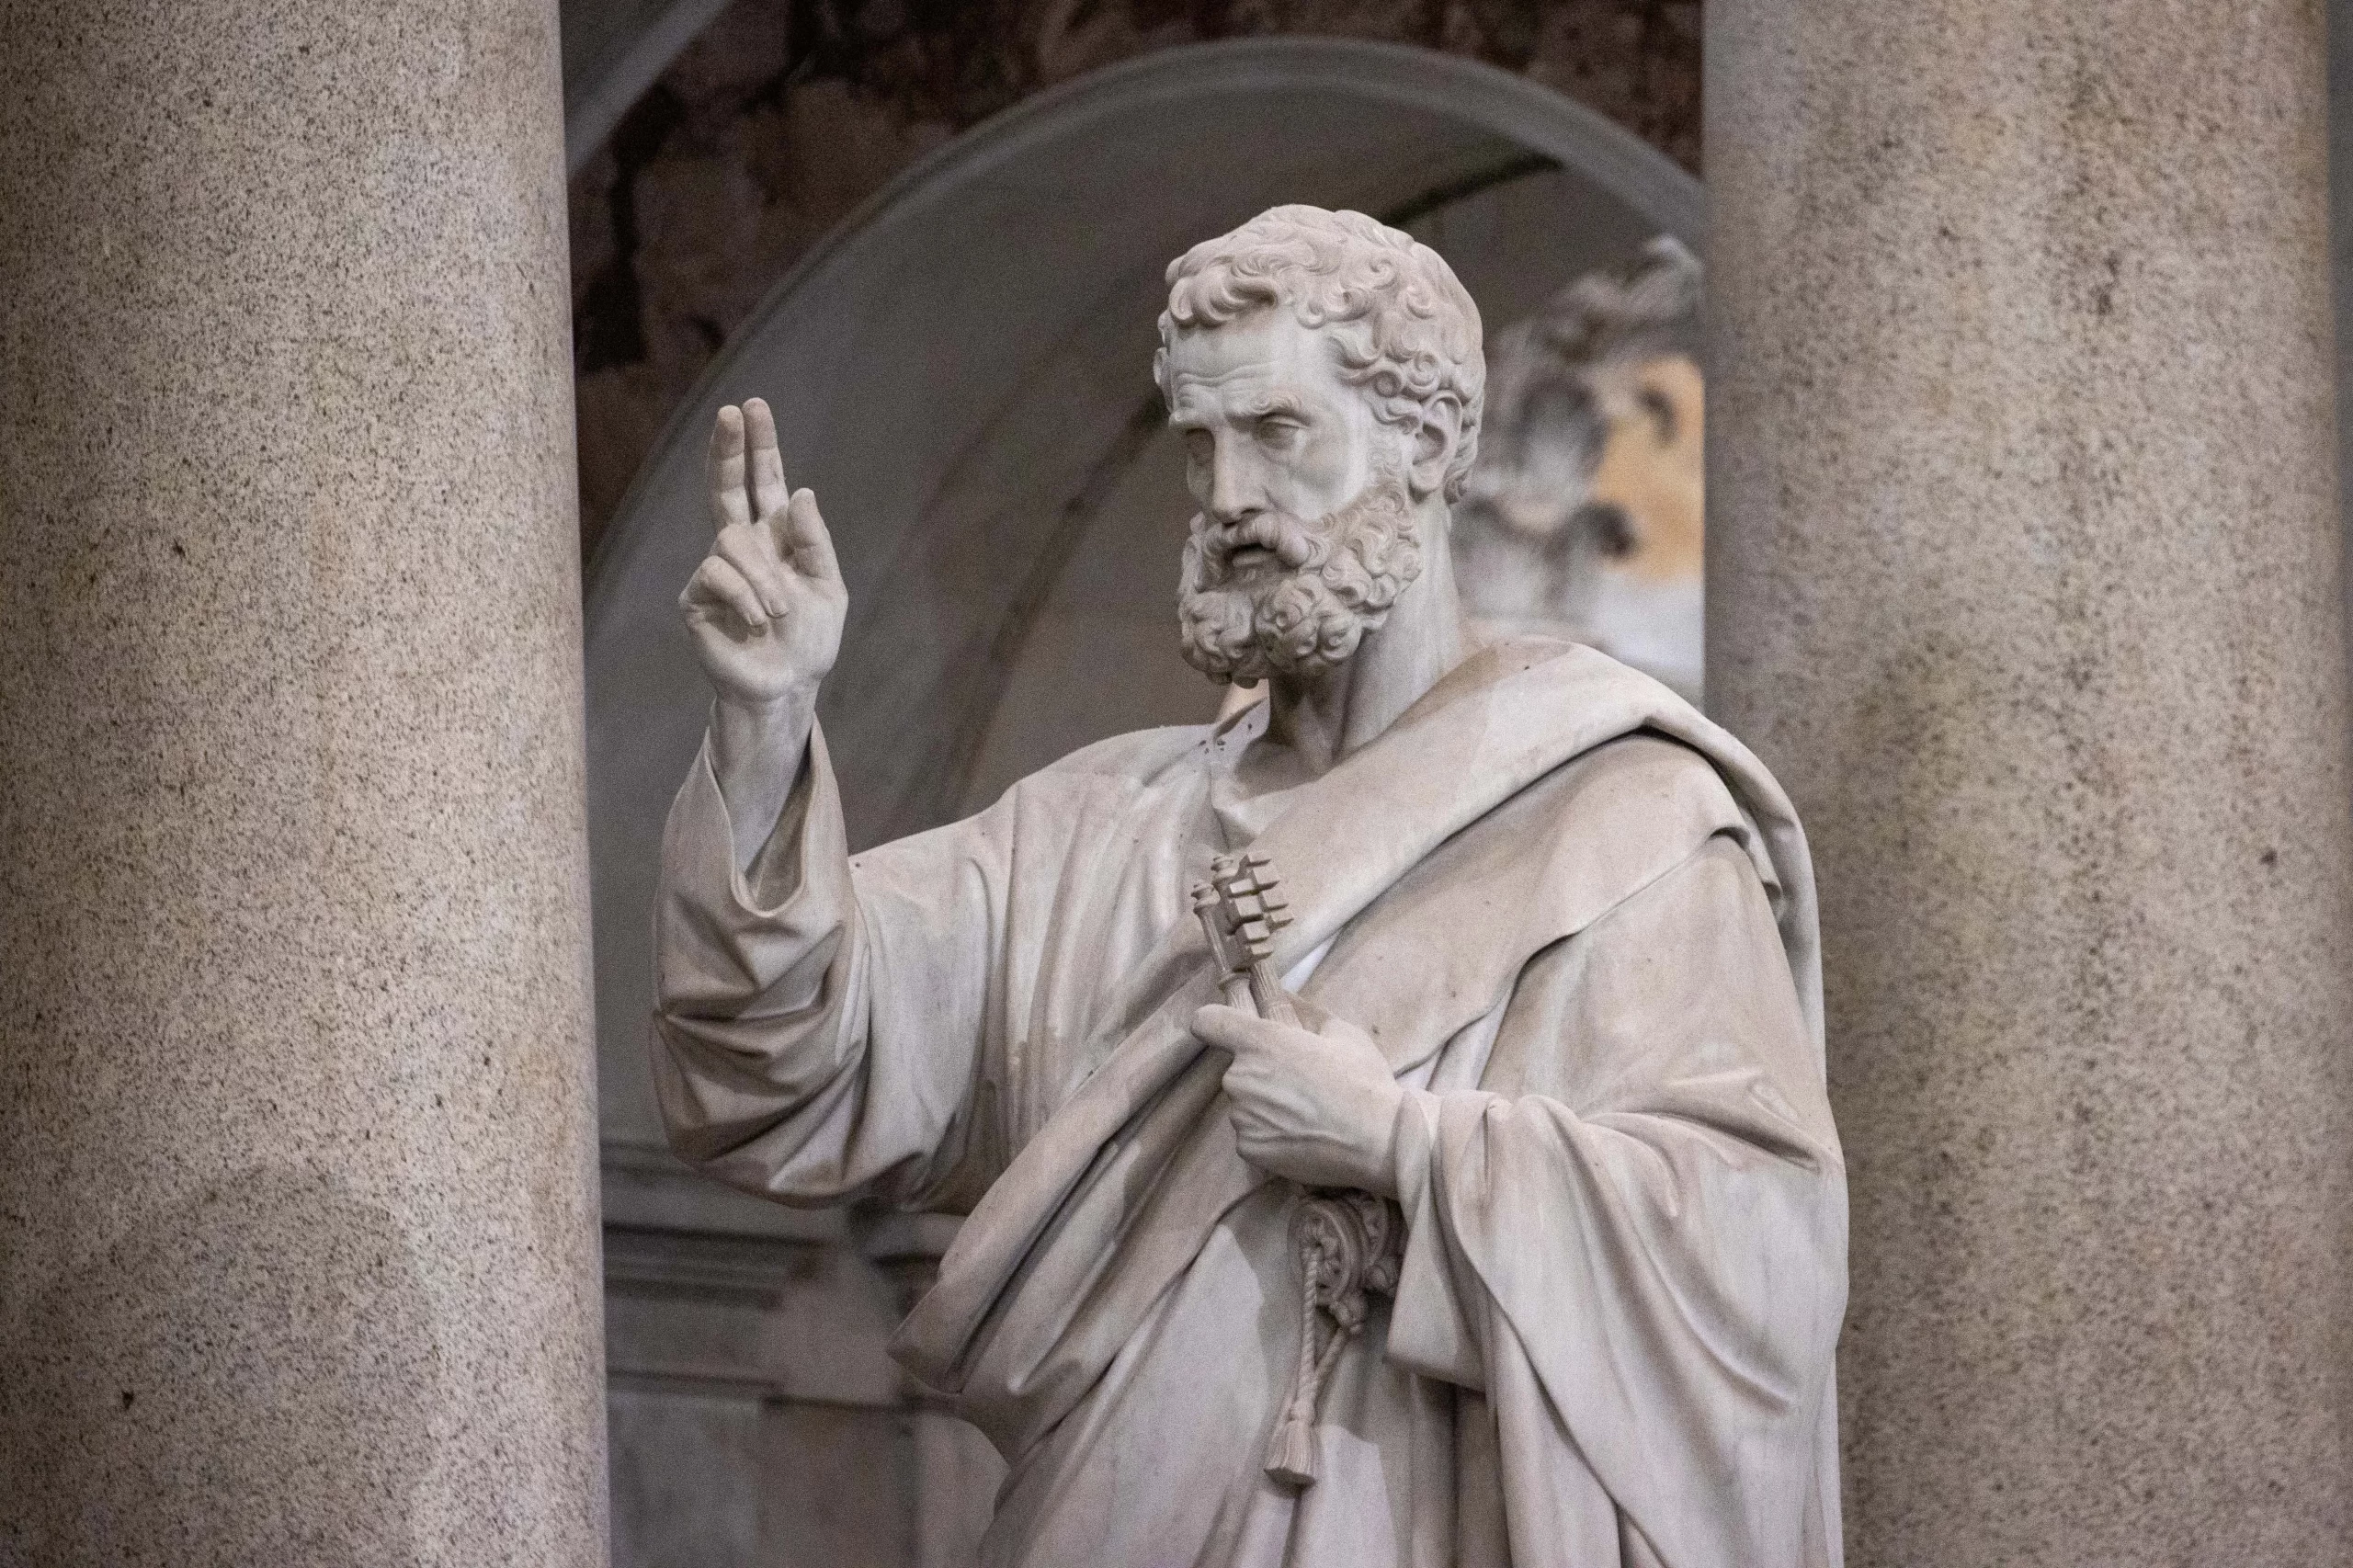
(1632, 1236)
(818, 1019)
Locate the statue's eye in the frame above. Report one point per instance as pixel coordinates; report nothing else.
(1199, 447)
(1277, 429)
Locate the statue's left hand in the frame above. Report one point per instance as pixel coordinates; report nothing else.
(1319, 1107)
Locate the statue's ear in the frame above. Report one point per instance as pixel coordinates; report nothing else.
(1435, 441)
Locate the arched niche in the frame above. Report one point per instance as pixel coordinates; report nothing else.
(963, 373)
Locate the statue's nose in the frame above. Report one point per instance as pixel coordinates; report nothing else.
(1235, 496)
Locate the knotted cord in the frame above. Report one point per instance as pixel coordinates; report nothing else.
(1348, 1245)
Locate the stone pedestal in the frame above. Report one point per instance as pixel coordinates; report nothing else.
(298, 1246)
(2024, 577)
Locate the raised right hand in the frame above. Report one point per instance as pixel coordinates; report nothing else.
(766, 606)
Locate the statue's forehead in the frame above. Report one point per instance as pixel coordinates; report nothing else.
(1267, 354)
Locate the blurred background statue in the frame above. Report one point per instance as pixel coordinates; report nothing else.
(1585, 517)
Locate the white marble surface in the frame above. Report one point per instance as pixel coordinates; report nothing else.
(1567, 1014)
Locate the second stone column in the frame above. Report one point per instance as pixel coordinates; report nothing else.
(2024, 577)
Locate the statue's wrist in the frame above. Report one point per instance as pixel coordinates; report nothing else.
(1379, 1176)
(757, 744)
(783, 709)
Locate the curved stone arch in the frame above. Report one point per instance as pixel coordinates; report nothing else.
(961, 371)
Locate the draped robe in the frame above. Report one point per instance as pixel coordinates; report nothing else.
(1577, 919)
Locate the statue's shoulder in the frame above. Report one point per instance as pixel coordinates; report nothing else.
(1622, 814)
(1643, 785)
(1637, 787)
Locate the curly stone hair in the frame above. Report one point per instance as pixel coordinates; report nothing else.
(1405, 329)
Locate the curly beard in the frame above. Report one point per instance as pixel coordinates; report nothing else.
(1339, 577)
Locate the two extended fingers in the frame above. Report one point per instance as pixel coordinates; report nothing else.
(767, 532)
(745, 473)
(745, 466)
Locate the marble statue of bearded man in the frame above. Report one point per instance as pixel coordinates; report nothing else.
(1557, 1037)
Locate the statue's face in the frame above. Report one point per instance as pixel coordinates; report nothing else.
(1306, 534)
(1266, 421)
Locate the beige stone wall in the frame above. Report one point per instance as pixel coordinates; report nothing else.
(774, 124)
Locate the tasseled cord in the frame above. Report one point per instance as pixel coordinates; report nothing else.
(1347, 1247)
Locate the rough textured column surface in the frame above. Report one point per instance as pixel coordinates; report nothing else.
(2024, 576)
(298, 1255)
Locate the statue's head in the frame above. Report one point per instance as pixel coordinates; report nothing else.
(1325, 373)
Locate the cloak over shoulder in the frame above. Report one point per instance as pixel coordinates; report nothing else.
(1577, 917)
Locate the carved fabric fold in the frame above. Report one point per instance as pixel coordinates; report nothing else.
(1557, 897)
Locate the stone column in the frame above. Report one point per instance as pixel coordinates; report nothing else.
(2024, 576)
(298, 1248)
